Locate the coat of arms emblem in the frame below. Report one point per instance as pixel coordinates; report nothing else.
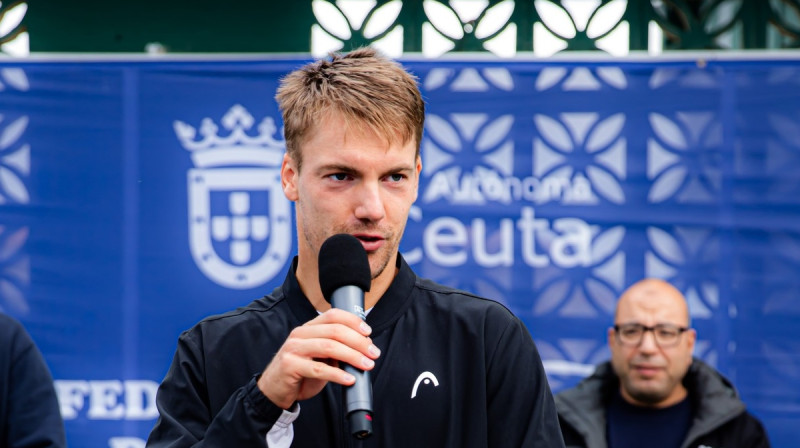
(239, 220)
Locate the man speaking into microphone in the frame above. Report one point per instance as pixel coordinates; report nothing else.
(446, 368)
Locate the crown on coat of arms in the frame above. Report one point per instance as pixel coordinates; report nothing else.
(238, 147)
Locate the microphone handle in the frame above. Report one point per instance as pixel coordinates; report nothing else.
(358, 397)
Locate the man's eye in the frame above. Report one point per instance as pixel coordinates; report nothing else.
(396, 177)
(631, 331)
(338, 176)
(667, 333)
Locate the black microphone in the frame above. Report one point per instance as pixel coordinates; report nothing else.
(344, 275)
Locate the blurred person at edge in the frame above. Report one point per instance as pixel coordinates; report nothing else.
(653, 393)
(448, 368)
(29, 413)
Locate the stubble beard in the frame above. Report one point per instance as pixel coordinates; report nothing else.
(382, 257)
(650, 394)
(385, 257)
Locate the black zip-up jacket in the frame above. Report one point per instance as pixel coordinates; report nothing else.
(490, 389)
(720, 419)
(29, 412)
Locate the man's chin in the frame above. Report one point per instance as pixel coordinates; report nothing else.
(647, 395)
(377, 264)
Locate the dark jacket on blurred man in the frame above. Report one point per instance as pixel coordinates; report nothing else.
(719, 416)
(29, 411)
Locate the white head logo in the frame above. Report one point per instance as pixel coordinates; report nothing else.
(424, 378)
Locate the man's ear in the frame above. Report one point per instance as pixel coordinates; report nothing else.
(691, 338)
(289, 177)
(418, 168)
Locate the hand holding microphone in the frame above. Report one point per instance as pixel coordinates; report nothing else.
(306, 361)
(344, 275)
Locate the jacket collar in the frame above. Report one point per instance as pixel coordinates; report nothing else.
(390, 305)
(713, 397)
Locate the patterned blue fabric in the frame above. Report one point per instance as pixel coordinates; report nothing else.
(138, 197)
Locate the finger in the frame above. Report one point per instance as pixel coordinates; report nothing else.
(335, 315)
(335, 332)
(325, 348)
(306, 370)
(322, 371)
(289, 378)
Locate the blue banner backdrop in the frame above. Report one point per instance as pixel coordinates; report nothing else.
(137, 197)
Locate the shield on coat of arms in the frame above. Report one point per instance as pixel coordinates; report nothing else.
(239, 224)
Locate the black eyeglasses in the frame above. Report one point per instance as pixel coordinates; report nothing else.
(665, 334)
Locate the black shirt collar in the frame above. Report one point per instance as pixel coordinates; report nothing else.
(390, 305)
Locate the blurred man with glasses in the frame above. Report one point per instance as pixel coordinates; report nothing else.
(653, 393)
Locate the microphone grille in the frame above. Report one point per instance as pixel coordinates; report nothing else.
(342, 262)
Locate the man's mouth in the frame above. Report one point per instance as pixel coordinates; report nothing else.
(370, 242)
(368, 238)
(647, 371)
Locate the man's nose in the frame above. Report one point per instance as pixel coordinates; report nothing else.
(648, 343)
(369, 204)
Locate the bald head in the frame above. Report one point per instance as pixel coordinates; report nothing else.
(650, 371)
(654, 295)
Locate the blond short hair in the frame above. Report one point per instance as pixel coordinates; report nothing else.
(367, 90)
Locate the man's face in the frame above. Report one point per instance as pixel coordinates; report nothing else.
(650, 374)
(352, 182)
